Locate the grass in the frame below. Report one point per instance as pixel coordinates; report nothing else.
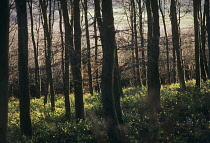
(184, 118)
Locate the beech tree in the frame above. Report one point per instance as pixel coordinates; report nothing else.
(25, 119)
(4, 43)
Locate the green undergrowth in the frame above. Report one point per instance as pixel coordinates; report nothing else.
(184, 118)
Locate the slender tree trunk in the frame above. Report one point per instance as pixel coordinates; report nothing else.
(75, 54)
(118, 93)
(62, 41)
(132, 44)
(99, 19)
(88, 49)
(48, 35)
(68, 43)
(97, 86)
(197, 47)
(166, 43)
(25, 119)
(208, 27)
(176, 45)
(137, 63)
(47, 82)
(203, 72)
(4, 42)
(174, 73)
(100, 26)
(203, 37)
(78, 88)
(202, 42)
(143, 75)
(37, 76)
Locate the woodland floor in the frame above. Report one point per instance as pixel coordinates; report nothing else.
(184, 118)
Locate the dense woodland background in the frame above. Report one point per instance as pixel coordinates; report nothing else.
(104, 71)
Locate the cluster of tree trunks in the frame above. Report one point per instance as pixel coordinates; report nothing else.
(111, 87)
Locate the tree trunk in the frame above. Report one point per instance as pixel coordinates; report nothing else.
(68, 44)
(4, 42)
(203, 39)
(112, 124)
(75, 54)
(25, 119)
(48, 34)
(37, 75)
(118, 93)
(197, 47)
(176, 45)
(143, 75)
(133, 78)
(137, 63)
(88, 49)
(97, 86)
(117, 78)
(153, 54)
(166, 43)
(208, 27)
(78, 88)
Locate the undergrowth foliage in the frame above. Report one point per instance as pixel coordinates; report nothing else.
(184, 118)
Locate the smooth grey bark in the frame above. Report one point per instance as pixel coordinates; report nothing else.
(4, 43)
(25, 119)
